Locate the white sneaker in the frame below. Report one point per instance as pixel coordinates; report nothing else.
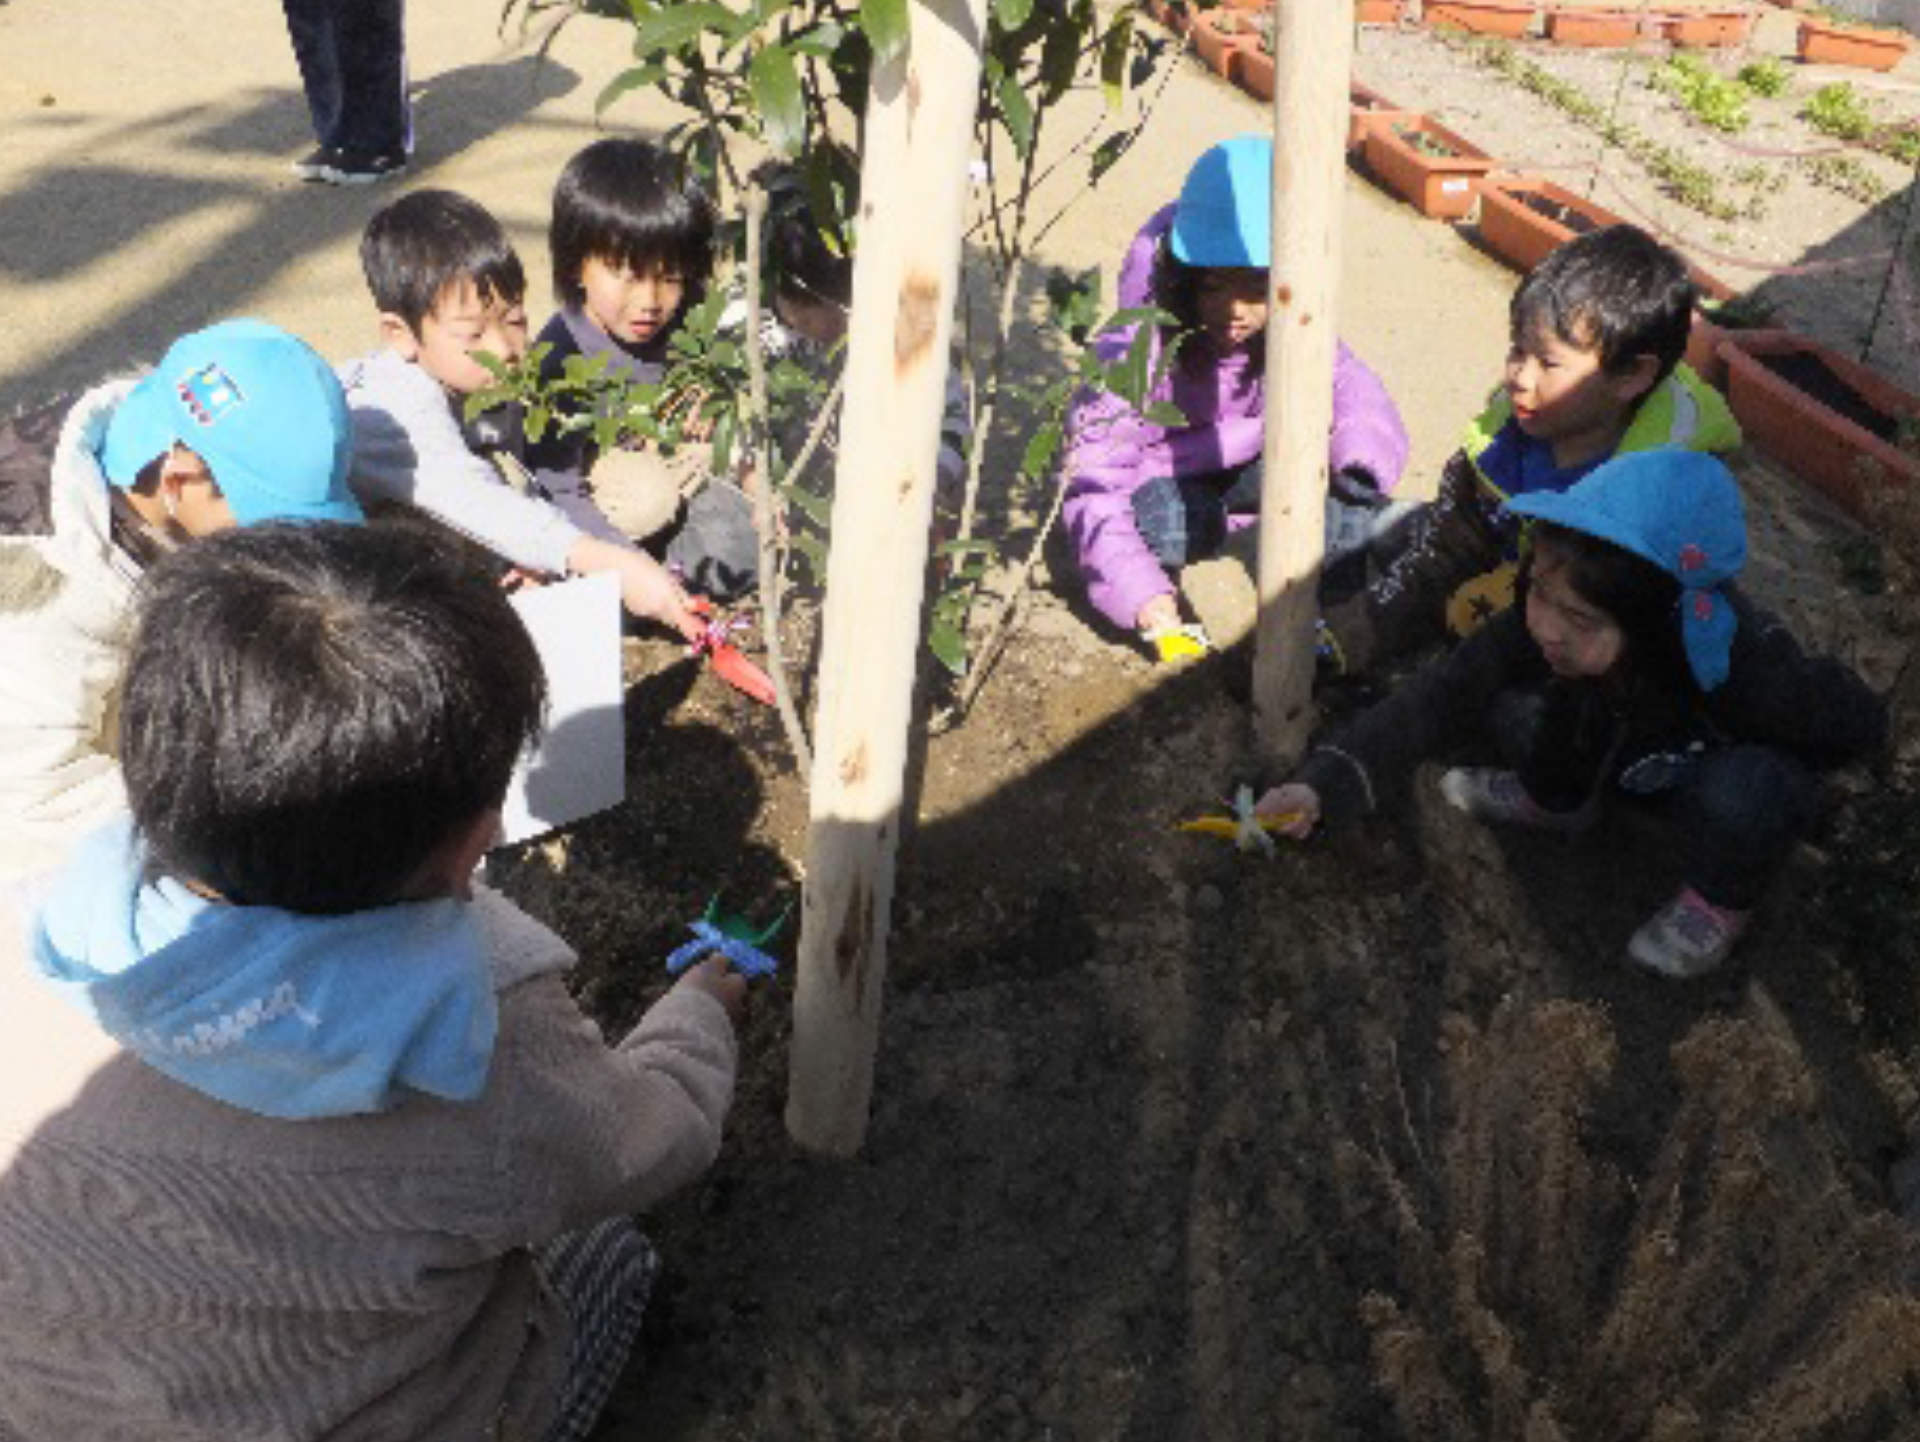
(1687, 937)
(1491, 794)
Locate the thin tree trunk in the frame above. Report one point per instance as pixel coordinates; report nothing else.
(1312, 54)
(918, 138)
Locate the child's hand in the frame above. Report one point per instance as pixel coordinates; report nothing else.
(519, 578)
(721, 982)
(646, 589)
(1295, 800)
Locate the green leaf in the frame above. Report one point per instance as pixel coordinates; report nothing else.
(627, 81)
(479, 402)
(1113, 59)
(1059, 59)
(948, 644)
(774, 82)
(817, 508)
(536, 423)
(1108, 151)
(885, 24)
(726, 428)
(1012, 14)
(820, 42)
(1017, 111)
(1166, 413)
(674, 27)
(814, 550)
(1042, 446)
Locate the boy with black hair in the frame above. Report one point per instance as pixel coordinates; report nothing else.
(631, 238)
(447, 284)
(313, 1142)
(1593, 370)
(239, 423)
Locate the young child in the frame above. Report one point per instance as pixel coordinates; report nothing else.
(311, 1128)
(1631, 663)
(810, 295)
(447, 283)
(631, 239)
(1142, 499)
(1594, 369)
(239, 423)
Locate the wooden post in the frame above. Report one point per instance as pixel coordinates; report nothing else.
(918, 141)
(1312, 57)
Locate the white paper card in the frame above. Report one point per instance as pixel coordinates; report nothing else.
(580, 766)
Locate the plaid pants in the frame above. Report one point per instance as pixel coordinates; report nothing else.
(603, 1275)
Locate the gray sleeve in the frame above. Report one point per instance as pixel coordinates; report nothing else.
(407, 448)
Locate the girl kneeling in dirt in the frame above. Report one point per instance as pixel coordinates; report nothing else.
(1144, 499)
(1633, 663)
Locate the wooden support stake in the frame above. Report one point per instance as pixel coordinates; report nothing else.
(918, 141)
(1312, 56)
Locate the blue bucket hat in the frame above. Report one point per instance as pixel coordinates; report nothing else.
(1680, 510)
(1225, 212)
(259, 406)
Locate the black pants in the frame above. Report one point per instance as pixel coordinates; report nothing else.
(353, 65)
(1739, 808)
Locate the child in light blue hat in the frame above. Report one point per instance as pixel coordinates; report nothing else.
(239, 423)
(1144, 498)
(1631, 664)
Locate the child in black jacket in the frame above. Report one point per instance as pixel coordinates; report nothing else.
(1631, 663)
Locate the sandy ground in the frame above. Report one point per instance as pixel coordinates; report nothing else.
(144, 191)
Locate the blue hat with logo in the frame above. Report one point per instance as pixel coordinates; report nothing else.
(259, 406)
(1225, 212)
(1680, 510)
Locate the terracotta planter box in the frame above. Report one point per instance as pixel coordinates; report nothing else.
(1597, 28)
(1216, 45)
(1827, 418)
(1483, 17)
(1524, 219)
(1439, 186)
(1253, 71)
(1708, 29)
(1366, 107)
(1863, 46)
(1379, 12)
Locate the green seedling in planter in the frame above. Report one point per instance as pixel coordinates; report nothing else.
(1768, 77)
(1840, 111)
(1741, 312)
(1845, 175)
(1424, 144)
(1709, 96)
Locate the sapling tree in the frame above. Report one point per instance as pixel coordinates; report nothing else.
(790, 77)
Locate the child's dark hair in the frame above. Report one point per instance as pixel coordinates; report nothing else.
(312, 709)
(631, 203)
(803, 264)
(416, 247)
(1642, 599)
(1616, 290)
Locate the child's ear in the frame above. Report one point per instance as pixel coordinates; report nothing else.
(449, 868)
(1638, 376)
(397, 336)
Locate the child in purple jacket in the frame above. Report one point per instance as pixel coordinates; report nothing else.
(1143, 499)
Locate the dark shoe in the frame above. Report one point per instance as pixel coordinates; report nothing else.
(351, 167)
(1490, 794)
(314, 164)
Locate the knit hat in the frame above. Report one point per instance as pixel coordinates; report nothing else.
(259, 406)
(1225, 212)
(1678, 509)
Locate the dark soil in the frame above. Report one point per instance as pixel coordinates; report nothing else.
(1376, 1139)
(1573, 218)
(1814, 378)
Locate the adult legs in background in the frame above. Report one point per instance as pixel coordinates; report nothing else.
(352, 58)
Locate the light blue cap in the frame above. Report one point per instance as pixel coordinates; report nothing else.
(259, 406)
(1680, 510)
(1225, 212)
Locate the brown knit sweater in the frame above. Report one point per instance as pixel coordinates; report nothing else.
(175, 1270)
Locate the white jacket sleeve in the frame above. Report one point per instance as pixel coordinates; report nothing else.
(407, 447)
